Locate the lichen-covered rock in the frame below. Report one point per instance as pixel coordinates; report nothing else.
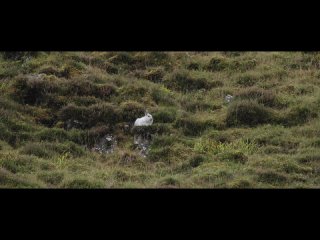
(107, 144)
(142, 143)
(69, 124)
(142, 138)
(228, 98)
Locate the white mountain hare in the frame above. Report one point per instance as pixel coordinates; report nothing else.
(147, 120)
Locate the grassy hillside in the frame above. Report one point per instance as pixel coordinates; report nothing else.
(56, 106)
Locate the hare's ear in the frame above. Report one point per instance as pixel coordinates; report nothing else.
(146, 112)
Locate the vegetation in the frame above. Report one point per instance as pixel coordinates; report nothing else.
(56, 106)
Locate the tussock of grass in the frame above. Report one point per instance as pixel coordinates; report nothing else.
(246, 112)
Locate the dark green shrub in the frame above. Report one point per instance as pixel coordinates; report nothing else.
(193, 66)
(308, 157)
(74, 66)
(85, 100)
(170, 181)
(131, 110)
(122, 58)
(64, 72)
(217, 64)
(192, 105)
(78, 136)
(216, 83)
(111, 68)
(242, 65)
(133, 92)
(162, 96)
(104, 113)
(194, 126)
(90, 116)
(304, 90)
(82, 183)
(18, 163)
(50, 70)
(231, 54)
(299, 115)
(15, 139)
(9, 70)
(122, 175)
(33, 89)
(104, 91)
(316, 143)
(52, 134)
(292, 168)
(52, 178)
(196, 160)
(222, 136)
(74, 149)
(54, 102)
(183, 81)
(73, 112)
(271, 176)
(49, 150)
(10, 55)
(246, 112)
(95, 134)
(88, 60)
(233, 156)
(155, 75)
(273, 150)
(265, 97)
(164, 140)
(13, 124)
(38, 149)
(80, 87)
(241, 183)
(160, 154)
(147, 59)
(161, 128)
(9, 180)
(15, 132)
(128, 157)
(157, 57)
(247, 80)
(164, 115)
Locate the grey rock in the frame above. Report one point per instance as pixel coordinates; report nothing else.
(228, 98)
(73, 124)
(106, 144)
(142, 143)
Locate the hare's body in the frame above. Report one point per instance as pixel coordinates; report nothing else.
(147, 120)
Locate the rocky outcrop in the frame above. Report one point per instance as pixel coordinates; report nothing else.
(106, 144)
(142, 139)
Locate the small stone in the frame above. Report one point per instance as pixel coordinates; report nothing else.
(107, 144)
(228, 98)
(73, 124)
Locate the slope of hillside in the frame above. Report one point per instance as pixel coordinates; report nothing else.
(56, 106)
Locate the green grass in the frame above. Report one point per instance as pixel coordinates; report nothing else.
(54, 107)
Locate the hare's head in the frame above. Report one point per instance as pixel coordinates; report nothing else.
(146, 113)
